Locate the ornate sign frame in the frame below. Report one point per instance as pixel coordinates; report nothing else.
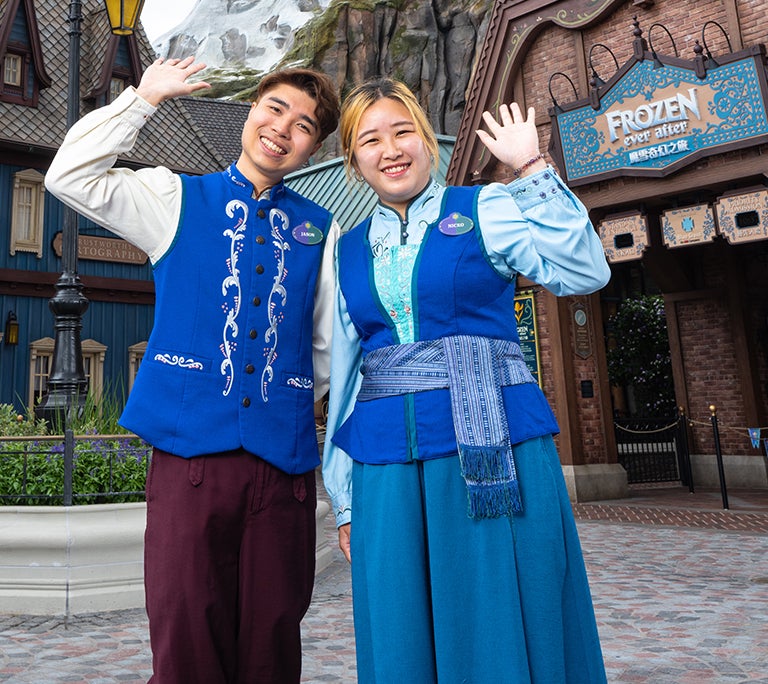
(658, 115)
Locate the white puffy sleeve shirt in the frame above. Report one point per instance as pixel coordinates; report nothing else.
(144, 206)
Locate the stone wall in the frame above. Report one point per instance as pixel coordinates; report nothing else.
(57, 560)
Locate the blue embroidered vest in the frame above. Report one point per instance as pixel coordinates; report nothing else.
(229, 360)
(456, 291)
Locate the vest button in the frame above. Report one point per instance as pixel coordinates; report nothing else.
(249, 368)
(256, 301)
(246, 402)
(261, 213)
(252, 334)
(259, 269)
(260, 240)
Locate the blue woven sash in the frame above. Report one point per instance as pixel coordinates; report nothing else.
(474, 369)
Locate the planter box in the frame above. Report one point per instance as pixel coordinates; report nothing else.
(57, 560)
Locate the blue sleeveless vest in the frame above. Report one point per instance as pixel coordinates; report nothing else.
(229, 360)
(456, 292)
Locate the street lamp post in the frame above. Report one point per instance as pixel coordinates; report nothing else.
(67, 386)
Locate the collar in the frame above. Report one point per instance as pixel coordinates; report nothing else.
(417, 205)
(387, 228)
(273, 193)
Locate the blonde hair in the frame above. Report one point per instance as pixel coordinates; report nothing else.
(366, 94)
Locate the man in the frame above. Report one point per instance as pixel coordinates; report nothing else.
(243, 270)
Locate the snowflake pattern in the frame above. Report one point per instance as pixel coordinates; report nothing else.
(393, 273)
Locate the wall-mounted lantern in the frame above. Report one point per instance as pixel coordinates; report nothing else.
(11, 335)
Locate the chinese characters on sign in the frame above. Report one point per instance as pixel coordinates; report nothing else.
(653, 119)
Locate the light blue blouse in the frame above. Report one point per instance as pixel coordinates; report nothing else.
(535, 226)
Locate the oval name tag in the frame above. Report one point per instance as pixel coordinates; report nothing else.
(456, 224)
(307, 234)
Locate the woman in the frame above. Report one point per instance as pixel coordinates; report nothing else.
(466, 564)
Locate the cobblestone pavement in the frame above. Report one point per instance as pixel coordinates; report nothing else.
(680, 589)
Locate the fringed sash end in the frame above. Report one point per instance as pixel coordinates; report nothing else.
(495, 501)
(492, 486)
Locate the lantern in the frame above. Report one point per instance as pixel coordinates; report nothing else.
(11, 329)
(123, 15)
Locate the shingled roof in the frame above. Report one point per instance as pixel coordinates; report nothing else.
(222, 121)
(184, 135)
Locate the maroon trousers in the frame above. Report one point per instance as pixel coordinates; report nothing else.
(229, 564)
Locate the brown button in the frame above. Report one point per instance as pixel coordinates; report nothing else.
(252, 334)
(256, 301)
(249, 368)
(260, 239)
(246, 402)
(259, 269)
(261, 213)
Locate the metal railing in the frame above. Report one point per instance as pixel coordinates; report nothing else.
(72, 469)
(658, 451)
(653, 450)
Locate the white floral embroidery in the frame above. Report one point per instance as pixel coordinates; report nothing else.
(301, 383)
(180, 361)
(231, 291)
(278, 222)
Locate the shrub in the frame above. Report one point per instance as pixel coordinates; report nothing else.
(32, 471)
(640, 359)
(13, 424)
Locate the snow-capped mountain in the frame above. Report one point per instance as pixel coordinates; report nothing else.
(235, 34)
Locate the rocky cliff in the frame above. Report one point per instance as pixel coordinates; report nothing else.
(430, 45)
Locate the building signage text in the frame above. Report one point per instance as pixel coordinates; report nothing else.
(104, 249)
(525, 317)
(624, 236)
(653, 121)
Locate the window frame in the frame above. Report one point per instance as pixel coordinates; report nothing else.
(19, 70)
(135, 357)
(94, 354)
(18, 93)
(33, 239)
(39, 349)
(112, 94)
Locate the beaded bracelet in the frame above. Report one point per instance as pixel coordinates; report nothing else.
(530, 162)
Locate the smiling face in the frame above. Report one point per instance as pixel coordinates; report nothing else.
(279, 136)
(390, 153)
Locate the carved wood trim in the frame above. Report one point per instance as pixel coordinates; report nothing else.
(511, 30)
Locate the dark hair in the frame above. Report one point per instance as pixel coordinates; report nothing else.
(315, 84)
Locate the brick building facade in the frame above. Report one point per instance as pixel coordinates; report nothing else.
(566, 57)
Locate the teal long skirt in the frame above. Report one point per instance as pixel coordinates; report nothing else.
(439, 597)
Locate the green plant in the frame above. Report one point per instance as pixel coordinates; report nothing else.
(102, 466)
(639, 357)
(28, 470)
(103, 470)
(13, 424)
(108, 464)
(97, 417)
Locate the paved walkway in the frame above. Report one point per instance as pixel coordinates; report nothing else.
(680, 589)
